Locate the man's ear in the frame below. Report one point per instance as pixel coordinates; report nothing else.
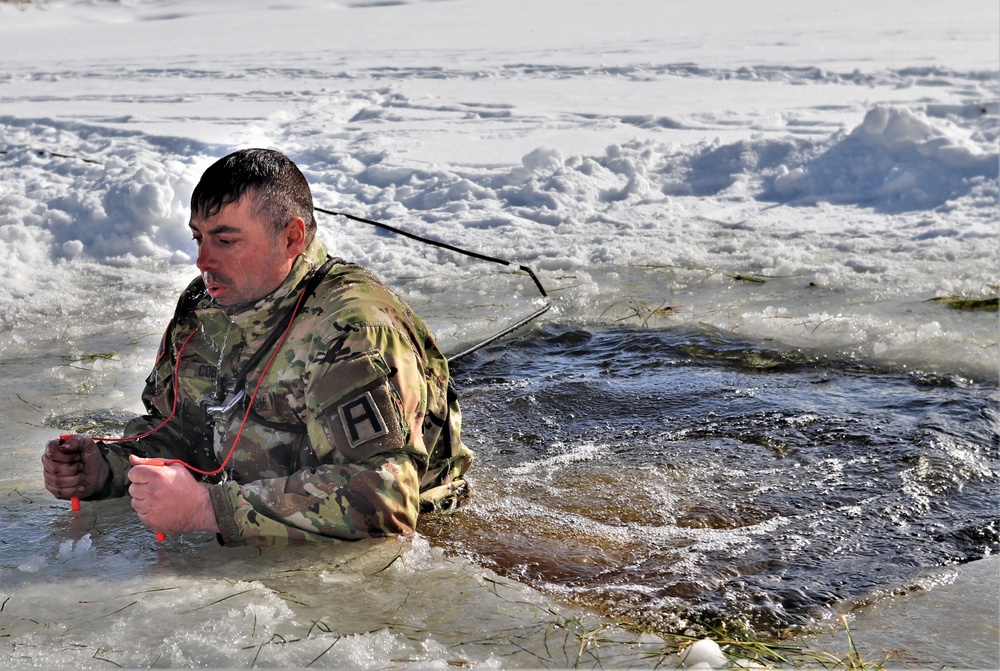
(294, 237)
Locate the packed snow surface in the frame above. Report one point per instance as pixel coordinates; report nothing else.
(811, 176)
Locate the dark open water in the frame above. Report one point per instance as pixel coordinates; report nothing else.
(678, 477)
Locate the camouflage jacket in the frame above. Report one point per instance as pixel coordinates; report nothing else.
(352, 430)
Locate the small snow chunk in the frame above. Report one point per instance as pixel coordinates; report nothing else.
(543, 159)
(790, 182)
(32, 564)
(72, 248)
(705, 653)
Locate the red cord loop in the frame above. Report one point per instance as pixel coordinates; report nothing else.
(246, 415)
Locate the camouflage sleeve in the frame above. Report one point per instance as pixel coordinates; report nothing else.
(365, 400)
(346, 502)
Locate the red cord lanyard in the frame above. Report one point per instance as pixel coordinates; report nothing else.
(173, 409)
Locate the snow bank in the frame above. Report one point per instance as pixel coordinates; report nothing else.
(637, 166)
(115, 205)
(895, 160)
(69, 193)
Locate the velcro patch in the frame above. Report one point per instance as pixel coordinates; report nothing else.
(362, 420)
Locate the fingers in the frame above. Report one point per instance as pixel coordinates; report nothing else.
(73, 466)
(141, 490)
(62, 469)
(142, 507)
(64, 479)
(65, 484)
(152, 461)
(137, 493)
(65, 489)
(61, 464)
(155, 471)
(142, 472)
(152, 487)
(146, 471)
(71, 449)
(63, 451)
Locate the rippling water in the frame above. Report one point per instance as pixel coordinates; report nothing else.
(682, 477)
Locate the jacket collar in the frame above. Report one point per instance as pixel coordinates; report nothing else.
(256, 320)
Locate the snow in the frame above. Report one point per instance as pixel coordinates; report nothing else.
(650, 151)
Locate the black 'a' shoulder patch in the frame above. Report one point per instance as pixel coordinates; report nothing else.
(362, 420)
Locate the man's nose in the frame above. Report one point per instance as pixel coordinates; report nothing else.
(206, 258)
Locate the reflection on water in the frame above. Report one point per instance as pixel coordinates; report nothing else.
(678, 477)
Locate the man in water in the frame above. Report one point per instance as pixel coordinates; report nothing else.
(310, 401)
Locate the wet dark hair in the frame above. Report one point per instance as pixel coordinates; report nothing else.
(277, 186)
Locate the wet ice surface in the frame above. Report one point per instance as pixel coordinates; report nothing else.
(126, 600)
(969, 641)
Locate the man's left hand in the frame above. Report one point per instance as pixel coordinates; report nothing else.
(168, 499)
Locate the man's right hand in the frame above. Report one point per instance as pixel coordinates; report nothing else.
(74, 467)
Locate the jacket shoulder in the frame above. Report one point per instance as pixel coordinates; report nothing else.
(352, 294)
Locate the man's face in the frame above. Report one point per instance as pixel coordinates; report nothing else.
(239, 256)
